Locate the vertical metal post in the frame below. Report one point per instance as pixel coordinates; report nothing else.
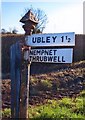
(15, 61)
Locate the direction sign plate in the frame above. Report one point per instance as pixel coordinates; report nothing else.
(50, 55)
(55, 39)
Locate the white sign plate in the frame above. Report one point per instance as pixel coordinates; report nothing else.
(55, 39)
(50, 55)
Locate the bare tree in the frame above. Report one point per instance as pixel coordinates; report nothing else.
(42, 18)
(14, 31)
(3, 31)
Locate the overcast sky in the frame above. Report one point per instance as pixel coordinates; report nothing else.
(66, 16)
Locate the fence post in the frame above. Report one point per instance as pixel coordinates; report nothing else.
(15, 66)
(12, 67)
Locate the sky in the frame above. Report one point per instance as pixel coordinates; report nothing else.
(63, 15)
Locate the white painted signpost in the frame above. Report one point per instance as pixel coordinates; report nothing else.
(55, 39)
(53, 55)
(48, 48)
(50, 55)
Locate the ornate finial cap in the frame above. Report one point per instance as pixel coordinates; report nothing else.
(29, 16)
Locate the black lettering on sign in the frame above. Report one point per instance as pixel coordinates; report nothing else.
(63, 60)
(37, 57)
(34, 40)
(46, 52)
(38, 39)
(41, 58)
(38, 52)
(45, 58)
(55, 59)
(50, 52)
(69, 39)
(59, 59)
(31, 52)
(43, 40)
(62, 38)
(55, 52)
(35, 53)
(33, 58)
(50, 58)
(54, 38)
(66, 37)
(42, 52)
(48, 39)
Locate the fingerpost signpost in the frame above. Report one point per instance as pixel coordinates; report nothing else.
(51, 48)
(45, 48)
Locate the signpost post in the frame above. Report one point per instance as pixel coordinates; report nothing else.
(30, 22)
(51, 48)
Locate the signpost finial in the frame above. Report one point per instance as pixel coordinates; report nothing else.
(30, 22)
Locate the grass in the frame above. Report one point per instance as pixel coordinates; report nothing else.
(66, 109)
(6, 113)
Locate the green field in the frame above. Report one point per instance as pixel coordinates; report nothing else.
(65, 108)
